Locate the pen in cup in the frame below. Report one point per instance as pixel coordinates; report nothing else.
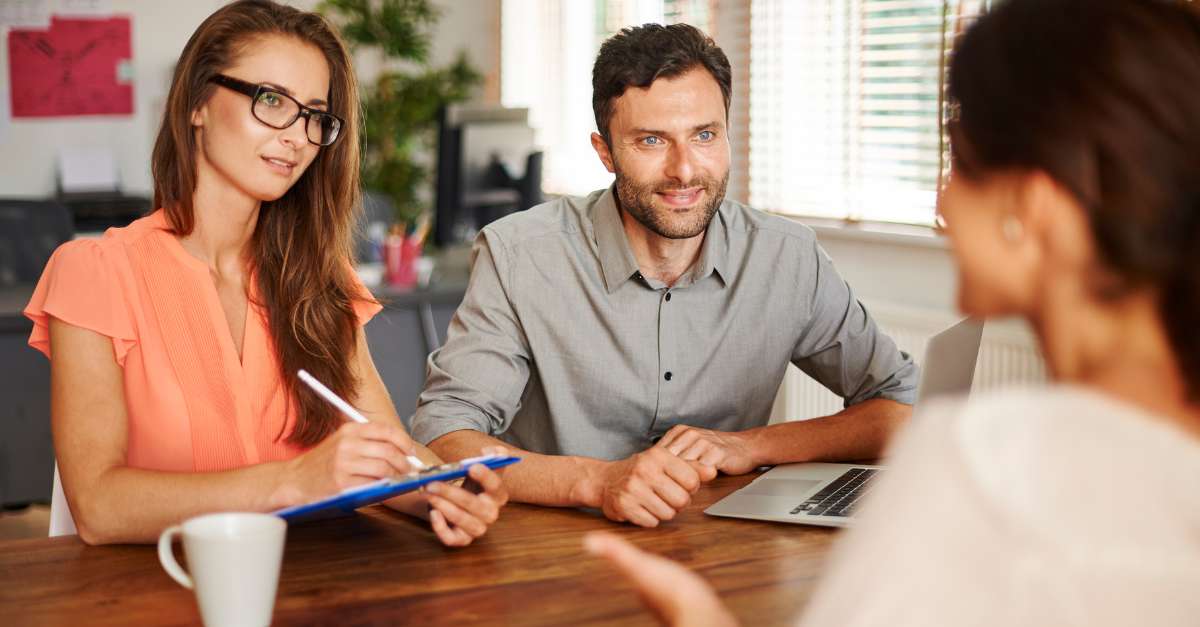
(346, 408)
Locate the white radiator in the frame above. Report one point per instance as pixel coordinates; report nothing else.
(1007, 355)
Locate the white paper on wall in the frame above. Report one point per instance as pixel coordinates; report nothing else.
(78, 8)
(88, 169)
(25, 13)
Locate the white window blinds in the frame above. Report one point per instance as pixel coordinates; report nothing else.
(846, 103)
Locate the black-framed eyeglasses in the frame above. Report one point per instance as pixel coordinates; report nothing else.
(276, 109)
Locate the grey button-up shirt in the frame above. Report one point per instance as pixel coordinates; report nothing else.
(562, 347)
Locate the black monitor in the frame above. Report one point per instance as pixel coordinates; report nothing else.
(487, 167)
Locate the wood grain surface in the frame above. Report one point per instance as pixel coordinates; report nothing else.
(379, 567)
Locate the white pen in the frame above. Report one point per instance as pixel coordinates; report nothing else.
(346, 408)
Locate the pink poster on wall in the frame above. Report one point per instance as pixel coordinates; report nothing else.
(76, 67)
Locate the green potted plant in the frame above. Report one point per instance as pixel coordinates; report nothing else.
(401, 106)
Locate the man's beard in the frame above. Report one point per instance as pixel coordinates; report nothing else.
(638, 200)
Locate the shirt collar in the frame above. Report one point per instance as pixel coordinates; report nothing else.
(714, 254)
(616, 257)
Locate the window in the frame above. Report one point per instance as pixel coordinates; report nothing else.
(846, 104)
(547, 51)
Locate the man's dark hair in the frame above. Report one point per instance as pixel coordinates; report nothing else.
(639, 55)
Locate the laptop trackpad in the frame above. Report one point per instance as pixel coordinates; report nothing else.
(780, 487)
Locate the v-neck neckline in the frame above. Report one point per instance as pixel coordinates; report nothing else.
(213, 297)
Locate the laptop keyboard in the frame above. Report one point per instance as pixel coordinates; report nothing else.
(840, 497)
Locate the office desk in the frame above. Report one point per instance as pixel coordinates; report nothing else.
(381, 568)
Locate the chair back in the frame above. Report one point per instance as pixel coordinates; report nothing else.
(61, 521)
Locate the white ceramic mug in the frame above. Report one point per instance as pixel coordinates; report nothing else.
(234, 559)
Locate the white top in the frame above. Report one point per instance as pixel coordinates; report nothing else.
(1046, 506)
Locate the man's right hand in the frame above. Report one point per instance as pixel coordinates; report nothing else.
(647, 488)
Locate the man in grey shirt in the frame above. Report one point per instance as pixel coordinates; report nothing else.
(631, 343)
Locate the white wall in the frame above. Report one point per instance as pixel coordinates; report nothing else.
(914, 271)
(160, 29)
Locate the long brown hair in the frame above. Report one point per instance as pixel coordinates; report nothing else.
(302, 242)
(1102, 95)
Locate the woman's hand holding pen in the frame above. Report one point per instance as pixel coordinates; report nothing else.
(362, 451)
(355, 454)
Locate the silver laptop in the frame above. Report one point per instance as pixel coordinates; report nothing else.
(827, 494)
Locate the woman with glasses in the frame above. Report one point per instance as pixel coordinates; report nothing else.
(175, 342)
(1074, 203)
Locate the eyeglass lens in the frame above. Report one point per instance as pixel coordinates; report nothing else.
(279, 111)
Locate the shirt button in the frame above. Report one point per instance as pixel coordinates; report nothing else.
(668, 297)
(667, 376)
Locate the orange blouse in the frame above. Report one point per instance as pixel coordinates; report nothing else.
(192, 405)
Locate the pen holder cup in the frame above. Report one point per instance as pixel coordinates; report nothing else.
(401, 263)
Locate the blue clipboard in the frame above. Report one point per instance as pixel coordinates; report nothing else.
(351, 499)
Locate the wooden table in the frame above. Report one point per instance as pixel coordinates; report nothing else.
(379, 567)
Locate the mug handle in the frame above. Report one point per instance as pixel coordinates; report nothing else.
(167, 557)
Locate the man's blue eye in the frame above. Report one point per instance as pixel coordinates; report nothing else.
(651, 141)
(707, 136)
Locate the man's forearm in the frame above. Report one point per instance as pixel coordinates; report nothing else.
(557, 481)
(859, 432)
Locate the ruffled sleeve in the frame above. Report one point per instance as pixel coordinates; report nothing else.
(80, 286)
(365, 303)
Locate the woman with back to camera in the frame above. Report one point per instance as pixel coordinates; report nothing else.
(1074, 202)
(175, 341)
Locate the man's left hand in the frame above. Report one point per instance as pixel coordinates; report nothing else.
(730, 452)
